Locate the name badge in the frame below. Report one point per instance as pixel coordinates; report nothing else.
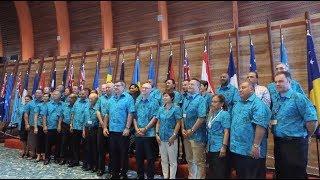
(90, 122)
(184, 115)
(273, 122)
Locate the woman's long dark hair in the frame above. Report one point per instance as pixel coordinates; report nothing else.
(222, 99)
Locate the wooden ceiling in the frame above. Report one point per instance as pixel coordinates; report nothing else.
(136, 22)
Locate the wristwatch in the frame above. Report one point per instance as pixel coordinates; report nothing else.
(174, 134)
(256, 146)
(157, 133)
(192, 130)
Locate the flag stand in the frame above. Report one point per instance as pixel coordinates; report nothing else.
(317, 138)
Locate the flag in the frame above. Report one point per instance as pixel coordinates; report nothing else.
(186, 66)
(232, 70)
(35, 83)
(283, 52)
(25, 87)
(71, 76)
(205, 71)
(122, 71)
(53, 79)
(136, 72)
(313, 74)
(43, 76)
(253, 65)
(109, 73)
(152, 71)
(96, 77)
(82, 77)
(15, 116)
(3, 91)
(170, 73)
(64, 76)
(7, 98)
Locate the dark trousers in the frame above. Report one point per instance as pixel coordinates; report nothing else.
(91, 153)
(66, 148)
(101, 143)
(51, 140)
(291, 157)
(76, 139)
(41, 141)
(246, 166)
(145, 150)
(118, 153)
(218, 166)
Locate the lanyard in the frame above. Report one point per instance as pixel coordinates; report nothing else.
(212, 119)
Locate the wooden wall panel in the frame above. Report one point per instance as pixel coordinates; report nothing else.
(44, 23)
(187, 17)
(59, 70)
(85, 26)
(34, 67)
(257, 12)
(137, 24)
(10, 31)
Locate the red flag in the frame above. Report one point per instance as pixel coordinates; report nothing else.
(205, 72)
(170, 73)
(3, 89)
(42, 83)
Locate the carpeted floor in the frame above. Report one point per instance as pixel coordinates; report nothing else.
(14, 167)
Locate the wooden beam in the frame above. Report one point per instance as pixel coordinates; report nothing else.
(235, 14)
(26, 29)
(63, 27)
(163, 20)
(270, 48)
(1, 45)
(106, 24)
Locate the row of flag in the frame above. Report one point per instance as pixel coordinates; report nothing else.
(68, 77)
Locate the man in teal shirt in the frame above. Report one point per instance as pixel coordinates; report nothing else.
(294, 120)
(106, 93)
(90, 133)
(171, 87)
(51, 115)
(144, 123)
(117, 123)
(155, 93)
(295, 86)
(77, 125)
(194, 131)
(30, 124)
(228, 91)
(66, 148)
(248, 138)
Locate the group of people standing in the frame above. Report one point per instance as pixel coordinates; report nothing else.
(227, 129)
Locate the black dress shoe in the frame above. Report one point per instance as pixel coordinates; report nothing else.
(93, 169)
(62, 162)
(85, 168)
(46, 162)
(56, 161)
(100, 173)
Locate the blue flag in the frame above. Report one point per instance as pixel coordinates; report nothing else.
(313, 74)
(53, 80)
(283, 52)
(96, 77)
(136, 72)
(25, 87)
(253, 65)
(7, 98)
(232, 69)
(35, 83)
(152, 71)
(16, 116)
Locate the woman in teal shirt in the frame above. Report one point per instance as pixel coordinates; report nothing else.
(22, 129)
(168, 125)
(218, 126)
